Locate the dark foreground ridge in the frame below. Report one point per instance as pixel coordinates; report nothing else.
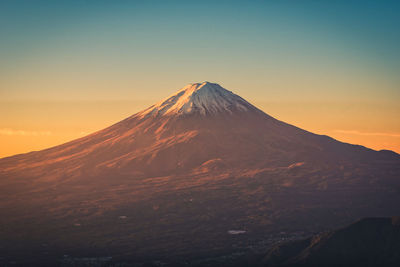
(368, 242)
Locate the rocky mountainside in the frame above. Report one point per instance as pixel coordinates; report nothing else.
(177, 178)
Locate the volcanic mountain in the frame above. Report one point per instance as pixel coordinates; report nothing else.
(177, 178)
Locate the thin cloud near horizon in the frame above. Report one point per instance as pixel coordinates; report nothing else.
(14, 132)
(367, 133)
(8, 131)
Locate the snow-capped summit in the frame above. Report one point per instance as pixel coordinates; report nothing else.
(203, 98)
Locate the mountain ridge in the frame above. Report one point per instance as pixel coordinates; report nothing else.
(185, 102)
(366, 242)
(200, 122)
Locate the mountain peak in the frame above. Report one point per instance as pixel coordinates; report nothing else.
(204, 86)
(202, 98)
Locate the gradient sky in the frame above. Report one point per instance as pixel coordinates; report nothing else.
(68, 68)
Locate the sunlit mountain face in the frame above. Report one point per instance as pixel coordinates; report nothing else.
(199, 174)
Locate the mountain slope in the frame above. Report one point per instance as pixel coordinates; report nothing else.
(204, 114)
(201, 161)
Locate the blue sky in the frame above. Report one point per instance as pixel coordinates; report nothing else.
(322, 53)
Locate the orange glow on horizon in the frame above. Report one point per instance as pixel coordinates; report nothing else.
(37, 126)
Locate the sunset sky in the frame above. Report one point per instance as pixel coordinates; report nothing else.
(69, 68)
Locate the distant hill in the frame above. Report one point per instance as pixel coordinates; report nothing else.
(368, 242)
